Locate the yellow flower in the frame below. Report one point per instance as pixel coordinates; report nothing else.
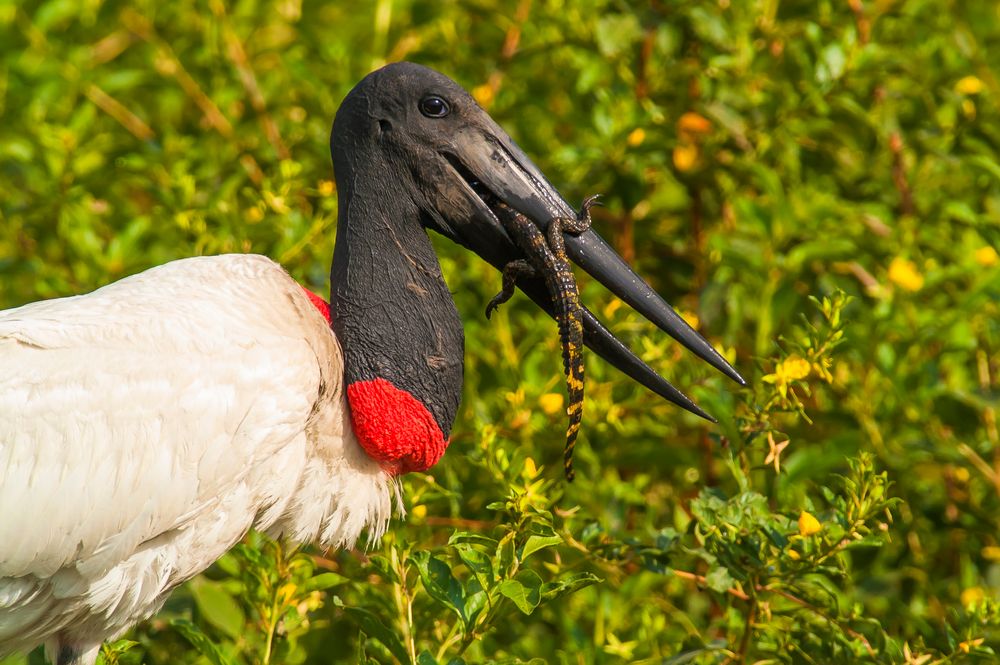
(419, 511)
(971, 596)
(693, 123)
(277, 203)
(991, 553)
(483, 94)
(790, 369)
(774, 451)
(551, 403)
(795, 367)
(691, 318)
(729, 353)
(967, 645)
(969, 85)
(516, 398)
(326, 187)
(287, 591)
(529, 471)
(685, 156)
(612, 307)
(636, 137)
(914, 658)
(987, 256)
(808, 525)
(822, 369)
(904, 274)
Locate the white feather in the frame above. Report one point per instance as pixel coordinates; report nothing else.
(145, 427)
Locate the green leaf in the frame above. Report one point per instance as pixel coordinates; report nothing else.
(535, 543)
(112, 653)
(505, 555)
(617, 32)
(201, 642)
(525, 598)
(384, 568)
(217, 607)
(567, 585)
(439, 583)
(324, 581)
(828, 249)
(460, 537)
(371, 626)
(719, 579)
(480, 563)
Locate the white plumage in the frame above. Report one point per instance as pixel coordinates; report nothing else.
(147, 426)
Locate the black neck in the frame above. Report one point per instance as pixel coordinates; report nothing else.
(391, 309)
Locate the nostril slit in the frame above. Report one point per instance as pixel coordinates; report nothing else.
(384, 125)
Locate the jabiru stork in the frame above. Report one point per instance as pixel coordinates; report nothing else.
(147, 426)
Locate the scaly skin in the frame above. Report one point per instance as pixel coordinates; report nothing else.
(547, 256)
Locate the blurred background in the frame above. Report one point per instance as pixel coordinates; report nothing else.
(814, 185)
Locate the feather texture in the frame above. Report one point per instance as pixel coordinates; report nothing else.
(146, 426)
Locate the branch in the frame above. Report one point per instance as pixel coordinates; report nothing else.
(760, 588)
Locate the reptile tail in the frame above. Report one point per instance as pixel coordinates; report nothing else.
(572, 341)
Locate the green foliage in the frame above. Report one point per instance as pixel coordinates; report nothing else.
(815, 184)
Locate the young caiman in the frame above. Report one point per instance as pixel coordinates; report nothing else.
(547, 257)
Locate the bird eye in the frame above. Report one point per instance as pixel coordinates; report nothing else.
(433, 106)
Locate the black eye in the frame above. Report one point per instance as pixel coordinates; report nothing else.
(433, 106)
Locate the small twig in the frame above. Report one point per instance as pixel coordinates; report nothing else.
(482, 525)
(130, 121)
(861, 274)
(876, 225)
(697, 237)
(407, 43)
(172, 66)
(238, 57)
(645, 53)
(989, 413)
(106, 49)
(864, 25)
(325, 563)
(751, 617)
(513, 36)
(110, 47)
(625, 238)
(906, 205)
(982, 465)
(318, 228)
(510, 42)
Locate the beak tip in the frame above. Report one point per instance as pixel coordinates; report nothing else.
(698, 411)
(716, 360)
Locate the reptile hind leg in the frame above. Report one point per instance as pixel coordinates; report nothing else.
(582, 221)
(511, 272)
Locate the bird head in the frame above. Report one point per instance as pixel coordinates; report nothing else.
(411, 148)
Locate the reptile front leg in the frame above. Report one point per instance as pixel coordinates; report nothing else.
(511, 272)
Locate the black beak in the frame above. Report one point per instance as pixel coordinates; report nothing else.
(492, 165)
